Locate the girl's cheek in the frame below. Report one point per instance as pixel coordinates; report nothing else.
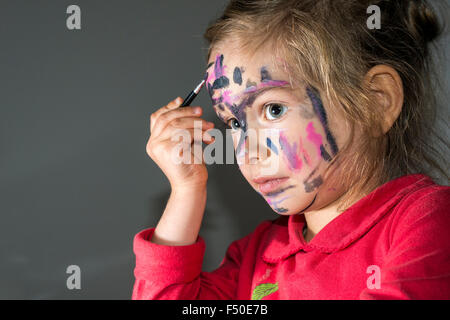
(316, 139)
(290, 153)
(302, 151)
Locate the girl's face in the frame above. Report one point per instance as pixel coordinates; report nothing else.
(294, 136)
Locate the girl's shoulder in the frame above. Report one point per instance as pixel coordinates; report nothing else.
(426, 196)
(425, 210)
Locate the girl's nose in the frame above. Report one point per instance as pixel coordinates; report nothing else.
(256, 148)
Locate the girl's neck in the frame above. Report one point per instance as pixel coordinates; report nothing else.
(316, 220)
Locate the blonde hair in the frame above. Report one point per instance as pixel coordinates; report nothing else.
(328, 45)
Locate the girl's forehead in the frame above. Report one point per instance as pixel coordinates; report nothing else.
(226, 62)
(229, 81)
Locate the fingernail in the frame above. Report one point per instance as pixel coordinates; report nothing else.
(197, 110)
(207, 137)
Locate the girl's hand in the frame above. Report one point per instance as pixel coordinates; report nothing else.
(164, 125)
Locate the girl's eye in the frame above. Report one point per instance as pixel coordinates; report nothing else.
(274, 111)
(234, 124)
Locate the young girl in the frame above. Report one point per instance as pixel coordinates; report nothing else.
(359, 216)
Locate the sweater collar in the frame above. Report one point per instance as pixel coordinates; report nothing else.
(284, 238)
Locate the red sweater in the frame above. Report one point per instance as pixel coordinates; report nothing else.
(392, 244)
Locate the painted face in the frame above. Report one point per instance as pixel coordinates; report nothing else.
(256, 94)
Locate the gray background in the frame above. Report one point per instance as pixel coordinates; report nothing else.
(76, 184)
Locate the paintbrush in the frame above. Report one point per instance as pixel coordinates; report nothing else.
(191, 96)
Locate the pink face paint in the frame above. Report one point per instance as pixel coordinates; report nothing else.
(320, 111)
(219, 68)
(273, 83)
(305, 153)
(290, 152)
(227, 97)
(314, 137)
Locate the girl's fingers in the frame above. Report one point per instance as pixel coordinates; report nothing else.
(185, 136)
(164, 119)
(187, 123)
(190, 123)
(175, 103)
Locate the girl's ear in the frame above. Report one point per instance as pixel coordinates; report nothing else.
(386, 90)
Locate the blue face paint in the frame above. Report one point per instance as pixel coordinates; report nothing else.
(265, 75)
(271, 146)
(220, 83)
(237, 76)
(325, 155)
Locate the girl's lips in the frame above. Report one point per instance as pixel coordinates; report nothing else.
(268, 185)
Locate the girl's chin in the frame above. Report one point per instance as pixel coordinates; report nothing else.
(284, 213)
(294, 208)
(281, 211)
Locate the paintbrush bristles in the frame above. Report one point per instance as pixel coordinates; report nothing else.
(199, 87)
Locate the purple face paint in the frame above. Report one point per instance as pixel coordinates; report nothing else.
(311, 183)
(227, 98)
(271, 83)
(218, 80)
(320, 111)
(219, 69)
(278, 192)
(304, 153)
(290, 152)
(275, 203)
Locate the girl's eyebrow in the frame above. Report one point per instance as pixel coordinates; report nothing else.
(270, 84)
(265, 88)
(251, 95)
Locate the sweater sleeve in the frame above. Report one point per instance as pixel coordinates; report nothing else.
(417, 265)
(174, 272)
